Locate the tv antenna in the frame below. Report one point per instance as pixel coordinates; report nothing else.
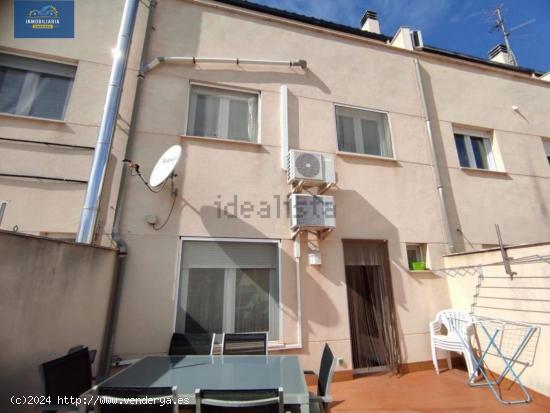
(499, 25)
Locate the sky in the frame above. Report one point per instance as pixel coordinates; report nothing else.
(458, 25)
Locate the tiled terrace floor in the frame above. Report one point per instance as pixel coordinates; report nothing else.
(423, 391)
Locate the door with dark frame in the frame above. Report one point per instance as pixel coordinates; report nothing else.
(374, 336)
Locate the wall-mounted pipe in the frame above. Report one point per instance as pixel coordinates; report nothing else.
(298, 256)
(284, 125)
(111, 325)
(440, 189)
(193, 59)
(107, 126)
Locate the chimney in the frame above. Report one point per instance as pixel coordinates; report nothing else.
(369, 22)
(500, 54)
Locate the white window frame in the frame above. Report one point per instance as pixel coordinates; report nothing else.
(188, 116)
(487, 142)
(31, 78)
(546, 148)
(3, 207)
(421, 250)
(358, 131)
(179, 269)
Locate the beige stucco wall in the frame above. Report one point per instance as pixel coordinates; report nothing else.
(54, 207)
(253, 173)
(54, 296)
(393, 200)
(522, 289)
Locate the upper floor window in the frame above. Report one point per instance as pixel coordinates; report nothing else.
(32, 87)
(363, 131)
(475, 151)
(224, 114)
(547, 150)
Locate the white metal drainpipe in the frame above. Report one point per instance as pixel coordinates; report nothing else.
(88, 218)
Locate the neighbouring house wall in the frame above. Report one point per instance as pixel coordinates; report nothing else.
(523, 306)
(96, 30)
(54, 295)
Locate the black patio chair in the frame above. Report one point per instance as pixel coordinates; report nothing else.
(244, 343)
(243, 401)
(70, 375)
(191, 344)
(80, 347)
(135, 399)
(324, 380)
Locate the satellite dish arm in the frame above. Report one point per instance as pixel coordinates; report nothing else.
(136, 168)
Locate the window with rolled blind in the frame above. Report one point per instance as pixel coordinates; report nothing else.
(223, 114)
(32, 87)
(363, 131)
(229, 287)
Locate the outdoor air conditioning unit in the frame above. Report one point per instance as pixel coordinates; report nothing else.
(311, 168)
(312, 212)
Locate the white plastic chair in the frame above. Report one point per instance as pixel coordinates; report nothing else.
(460, 329)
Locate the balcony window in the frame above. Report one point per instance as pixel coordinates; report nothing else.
(229, 287)
(363, 131)
(32, 87)
(223, 114)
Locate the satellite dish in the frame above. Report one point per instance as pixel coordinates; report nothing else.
(165, 166)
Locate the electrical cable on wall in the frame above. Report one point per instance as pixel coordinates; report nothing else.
(163, 170)
(174, 195)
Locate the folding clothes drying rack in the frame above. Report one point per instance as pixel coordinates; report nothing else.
(514, 343)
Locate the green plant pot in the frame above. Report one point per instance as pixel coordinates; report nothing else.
(418, 265)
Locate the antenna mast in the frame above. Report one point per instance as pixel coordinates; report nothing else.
(500, 25)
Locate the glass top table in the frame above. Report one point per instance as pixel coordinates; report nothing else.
(218, 373)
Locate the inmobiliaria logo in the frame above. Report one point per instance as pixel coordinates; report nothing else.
(47, 18)
(44, 19)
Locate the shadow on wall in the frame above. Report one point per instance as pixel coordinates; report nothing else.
(293, 121)
(366, 222)
(452, 211)
(54, 296)
(108, 204)
(244, 75)
(541, 203)
(235, 227)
